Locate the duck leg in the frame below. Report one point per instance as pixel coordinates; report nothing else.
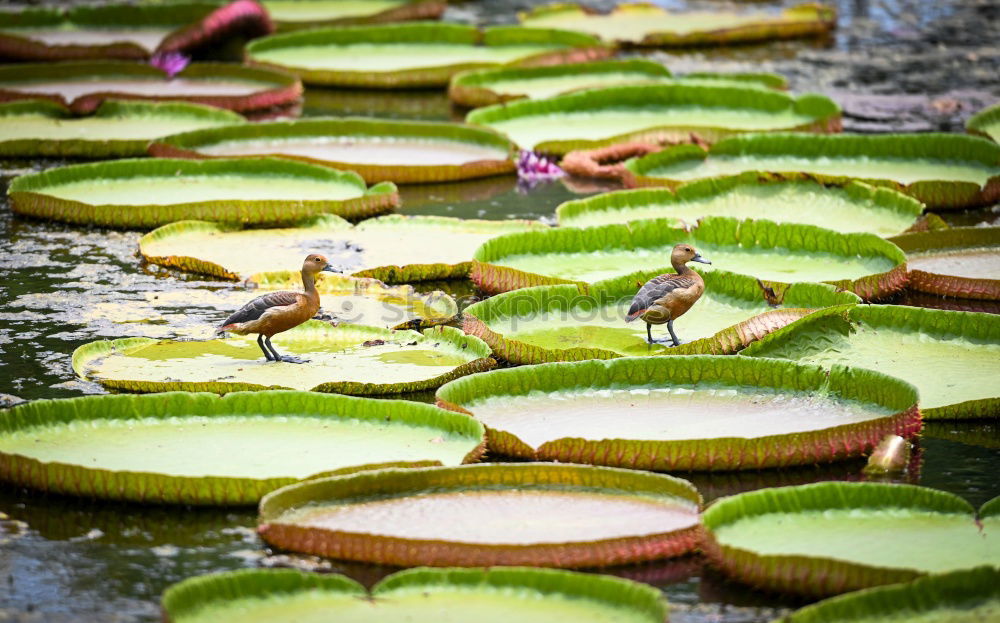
(260, 342)
(649, 335)
(285, 358)
(670, 327)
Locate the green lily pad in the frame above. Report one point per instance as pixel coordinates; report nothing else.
(419, 54)
(953, 358)
(968, 596)
(685, 413)
(649, 25)
(345, 359)
(961, 262)
(653, 113)
(44, 128)
(986, 122)
(776, 254)
(184, 448)
(483, 87)
(835, 537)
(124, 31)
(379, 151)
(538, 514)
(394, 249)
(574, 323)
(150, 192)
(944, 171)
(82, 86)
(443, 595)
(299, 14)
(853, 207)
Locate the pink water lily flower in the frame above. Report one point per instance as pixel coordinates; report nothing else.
(532, 168)
(170, 62)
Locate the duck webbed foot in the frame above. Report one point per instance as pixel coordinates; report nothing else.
(284, 358)
(291, 359)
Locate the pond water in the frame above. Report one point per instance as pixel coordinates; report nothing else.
(64, 559)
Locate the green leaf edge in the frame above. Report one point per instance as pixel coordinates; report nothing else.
(716, 453)
(978, 122)
(159, 488)
(952, 238)
(410, 10)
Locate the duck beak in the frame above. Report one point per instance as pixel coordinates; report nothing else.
(330, 269)
(700, 259)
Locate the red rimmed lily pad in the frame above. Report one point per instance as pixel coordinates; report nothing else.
(148, 192)
(394, 249)
(378, 150)
(501, 514)
(184, 448)
(82, 86)
(441, 595)
(302, 14)
(685, 413)
(960, 262)
(344, 359)
(649, 25)
(833, 537)
(417, 54)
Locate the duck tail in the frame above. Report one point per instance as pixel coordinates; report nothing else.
(633, 315)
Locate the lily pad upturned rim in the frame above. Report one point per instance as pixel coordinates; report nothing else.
(803, 20)
(823, 110)
(888, 198)
(576, 47)
(437, 553)
(27, 193)
(187, 144)
(718, 453)
(159, 488)
(494, 278)
(202, 23)
(978, 122)
(801, 299)
(441, 333)
(950, 591)
(282, 89)
(936, 194)
(943, 323)
(188, 596)
(391, 274)
(952, 238)
(813, 575)
(97, 147)
(410, 10)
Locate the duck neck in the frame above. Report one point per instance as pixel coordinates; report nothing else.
(309, 285)
(681, 267)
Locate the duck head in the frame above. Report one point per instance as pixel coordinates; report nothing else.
(684, 253)
(316, 263)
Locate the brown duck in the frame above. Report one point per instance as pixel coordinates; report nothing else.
(272, 313)
(665, 298)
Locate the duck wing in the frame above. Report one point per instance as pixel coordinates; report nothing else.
(256, 308)
(654, 290)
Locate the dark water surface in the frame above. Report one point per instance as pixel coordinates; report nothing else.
(64, 559)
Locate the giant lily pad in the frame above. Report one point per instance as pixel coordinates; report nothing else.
(420, 54)
(397, 151)
(483, 87)
(776, 254)
(43, 128)
(442, 595)
(150, 192)
(942, 170)
(685, 413)
(986, 122)
(653, 113)
(834, 537)
(503, 514)
(953, 358)
(345, 359)
(968, 596)
(82, 86)
(962, 262)
(125, 31)
(394, 249)
(574, 323)
(853, 207)
(647, 24)
(188, 448)
(298, 14)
